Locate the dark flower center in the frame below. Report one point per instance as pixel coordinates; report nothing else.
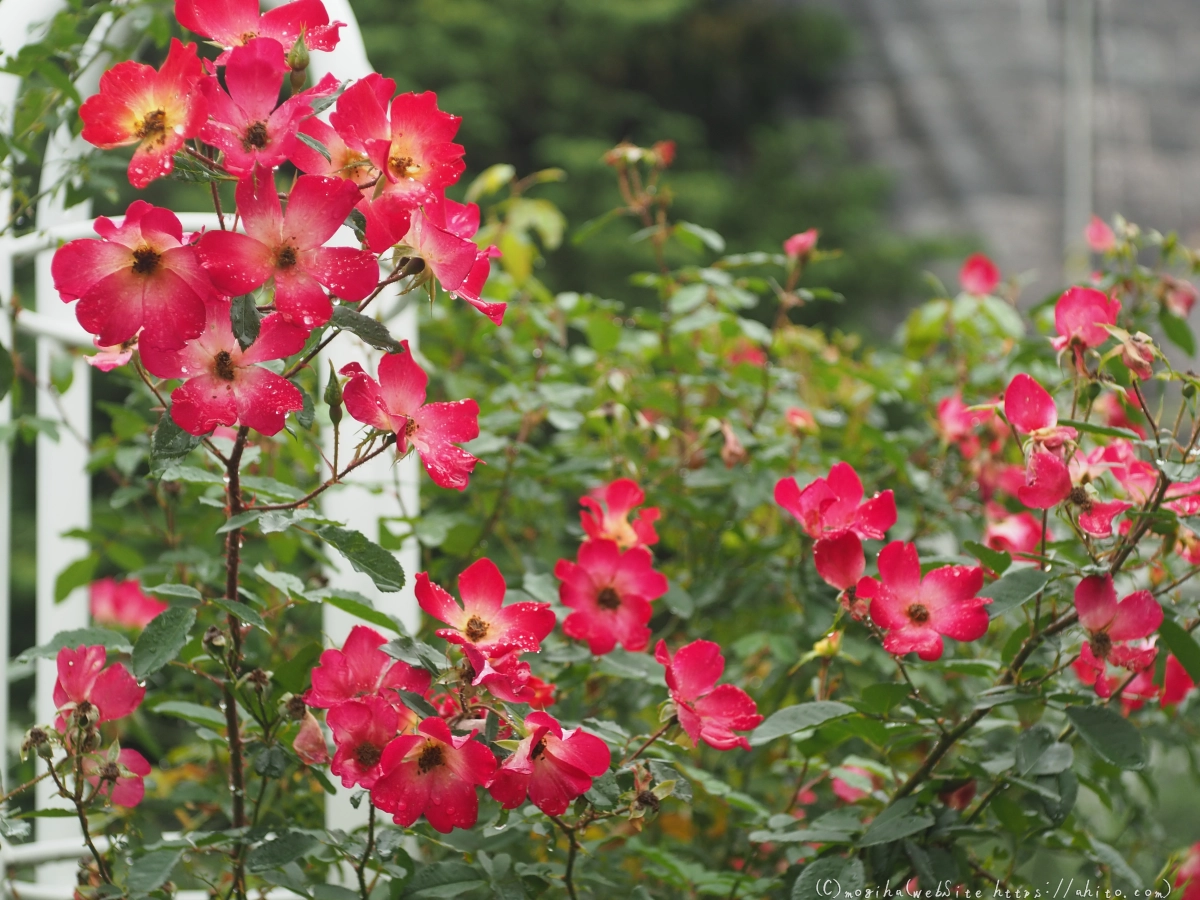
(224, 365)
(1101, 645)
(430, 758)
(1079, 497)
(255, 137)
(145, 260)
(110, 771)
(153, 125)
(477, 629)
(538, 749)
(286, 258)
(608, 599)
(410, 427)
(918, 613)
(84, 708)
(367, 755)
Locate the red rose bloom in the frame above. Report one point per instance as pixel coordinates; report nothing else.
(158, 111)
(289, 247)
(85, 685)
(361, 729)
(831, 510)
(605, 515)
(1112, 626)
(917, 611)
(233, 23)
(139, 275)
(225, 385)
(361, 669)
(483, 621)
(433, 773)
(397, 403)
(128, 787)
(551, 766)
(707, 711)
(610, 593)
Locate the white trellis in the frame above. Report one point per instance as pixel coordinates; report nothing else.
(63, 484)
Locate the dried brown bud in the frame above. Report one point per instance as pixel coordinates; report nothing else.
(295, 707)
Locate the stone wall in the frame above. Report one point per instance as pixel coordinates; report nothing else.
(964, 102)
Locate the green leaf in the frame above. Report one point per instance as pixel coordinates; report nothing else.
(182, 591)
(1014, 590)
(879, 699)
(286, 847)
(1110, 734)
(896, 822)
(333, 395)
(271, 762)
(368, 329)
(1038, 753)
(315, 144)
(242, 611)
(246, 322)
(1111, 857)
(7, 372)
(416, 653)
(294, 673)
(996, 560)
(78, 637)
(638, 666)
(162, 640)
(152, 871)
(271, 487)
(679, 601)
(443, 880)
(490, 180)
(241, 520)
(791, 719)
(365, 556)
(307, 414)
(76, 575)
(417, 704)
(1181, 643)
(284, 582)
(602, 332)
(62, 371)
(830, 876)
(191, 712)
(1102, 430)
(170, 441)
(1178, 332)
(357, 605)
(707, 236)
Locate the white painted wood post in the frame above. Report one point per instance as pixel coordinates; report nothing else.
(371, 493)
(64, 490)
(380, 489)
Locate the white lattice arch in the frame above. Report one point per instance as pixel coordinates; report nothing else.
(63, 485)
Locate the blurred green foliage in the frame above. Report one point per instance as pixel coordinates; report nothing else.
(743, 88)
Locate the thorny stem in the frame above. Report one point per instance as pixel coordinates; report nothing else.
(1031, 643)
(237, 779)
(951, 737)
(572, 852)
(654, 737)
(395, 276)
(76, 797)
(316, 492)
(24, 787)
(361, 868)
